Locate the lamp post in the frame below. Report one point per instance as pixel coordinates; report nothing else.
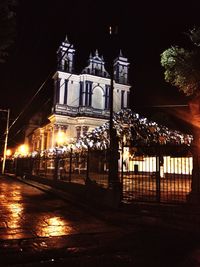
(6, 138)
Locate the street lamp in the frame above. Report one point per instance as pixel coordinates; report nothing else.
(23, 150)
(6, 139)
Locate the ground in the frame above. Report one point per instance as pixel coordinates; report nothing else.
(40, 229)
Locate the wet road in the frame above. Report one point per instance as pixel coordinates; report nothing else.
(37, 226)
(27, 212)
(39, 229)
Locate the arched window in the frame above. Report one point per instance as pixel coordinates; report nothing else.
(107, 97)
(88, 94)
(97, 98)
(66, 64)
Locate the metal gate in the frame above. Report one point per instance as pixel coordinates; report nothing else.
(156, 174)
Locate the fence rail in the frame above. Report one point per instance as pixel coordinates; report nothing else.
(149, 174)
(162, 175)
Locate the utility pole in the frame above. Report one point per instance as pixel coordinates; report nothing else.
(113, 155)
(6, 139)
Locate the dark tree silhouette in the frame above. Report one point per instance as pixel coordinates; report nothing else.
(182, 70)
(7, 27)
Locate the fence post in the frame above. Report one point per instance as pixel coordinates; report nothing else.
(31, 165)
(56, 167)
(38, 166)
(158, 177)
(122, 170)
(113, 178)
(88, 165)
(70, 164)
(194, 195)
(16, 166)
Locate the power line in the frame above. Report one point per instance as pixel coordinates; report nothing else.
(22, 128)
(28, 104)
(39, 89)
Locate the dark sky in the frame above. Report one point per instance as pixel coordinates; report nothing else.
(145, 30)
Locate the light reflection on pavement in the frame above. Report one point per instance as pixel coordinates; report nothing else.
(55, 226)
(37, 229)
(21, 218)
(26, 212)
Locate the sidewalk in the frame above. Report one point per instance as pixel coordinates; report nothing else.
(180, 217)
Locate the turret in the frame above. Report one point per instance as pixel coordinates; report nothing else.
(65, 57)
(96, 66)
(120, 67)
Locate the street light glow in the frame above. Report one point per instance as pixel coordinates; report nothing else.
(8, 152)
(23, 150)
(61, 138)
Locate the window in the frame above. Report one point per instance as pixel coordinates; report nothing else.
(65, 92)
(122, 99)
(107, 97)
(81, 94)
(66, 65)
(88, 94)
(85, 129)
(78, 132)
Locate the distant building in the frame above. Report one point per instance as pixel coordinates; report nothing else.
(81, 101)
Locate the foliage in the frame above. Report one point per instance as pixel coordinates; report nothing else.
(182, 66)
(7, 27)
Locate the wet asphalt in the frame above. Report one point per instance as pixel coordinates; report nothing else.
(41, 229)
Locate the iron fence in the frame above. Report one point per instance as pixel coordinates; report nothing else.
(152, 174)
(164, 174)
(98, 167)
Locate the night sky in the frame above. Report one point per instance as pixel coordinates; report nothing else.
(145, 30)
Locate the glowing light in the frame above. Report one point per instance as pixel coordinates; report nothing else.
(182, 165)
(56, 226)
(8, 152)
(173, 165)
(61, 138)
(23, 150)
(16, 210)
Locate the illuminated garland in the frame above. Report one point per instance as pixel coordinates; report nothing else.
(133, 129)
(130, 129)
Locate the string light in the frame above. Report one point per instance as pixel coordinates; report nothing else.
(133, 128)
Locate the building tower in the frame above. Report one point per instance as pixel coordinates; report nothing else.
(82, 101)
(121, 66)
(65, 57)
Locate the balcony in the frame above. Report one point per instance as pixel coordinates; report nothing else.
(81, 111)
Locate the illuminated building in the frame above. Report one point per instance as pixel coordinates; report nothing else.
(81, 101)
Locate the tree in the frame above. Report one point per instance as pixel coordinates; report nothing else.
(7, 27)
(182, 70)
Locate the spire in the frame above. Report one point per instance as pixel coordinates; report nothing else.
(65, 56)
(96, 53)
(121, 66)
(66, 39)
(96, 65)
(120, 53)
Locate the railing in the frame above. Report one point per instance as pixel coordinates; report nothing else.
(165, 175)
(65, 109)
(147, 174)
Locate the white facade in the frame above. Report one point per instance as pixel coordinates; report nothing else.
(81, 101)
